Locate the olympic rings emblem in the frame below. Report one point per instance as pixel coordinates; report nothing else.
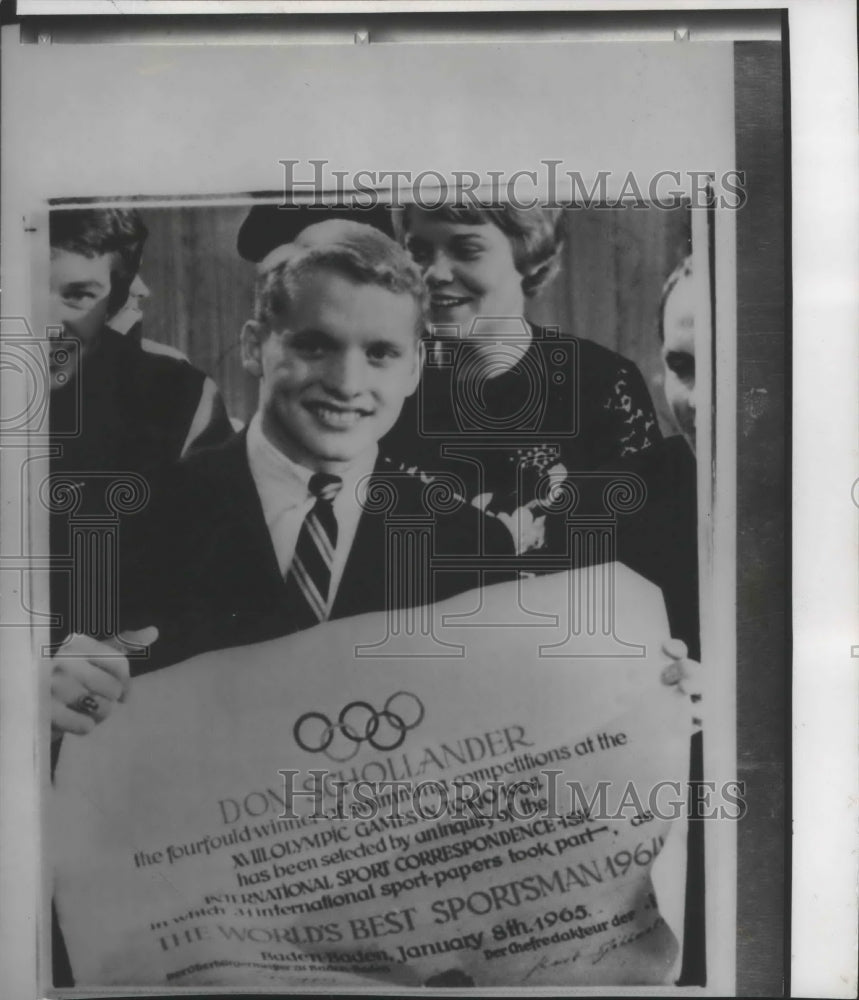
(357, 723)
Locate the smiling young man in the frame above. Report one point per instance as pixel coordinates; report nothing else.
(335, 371)
(270, 533)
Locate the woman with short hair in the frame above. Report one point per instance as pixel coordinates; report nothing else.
(522, 399)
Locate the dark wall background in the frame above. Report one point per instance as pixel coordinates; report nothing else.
(615, 262)
(763, 519)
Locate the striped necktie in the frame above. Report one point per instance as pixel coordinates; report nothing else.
(308, 580)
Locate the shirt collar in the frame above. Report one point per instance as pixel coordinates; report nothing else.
(282, 483)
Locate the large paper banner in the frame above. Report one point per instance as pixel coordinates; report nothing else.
(226, 826)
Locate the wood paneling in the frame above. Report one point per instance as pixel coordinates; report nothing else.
(615, 263)
(202, 293)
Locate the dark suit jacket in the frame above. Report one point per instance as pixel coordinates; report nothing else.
(659, 538)
(660, 541)
(566, 395)
(130, 409)
(201, 565)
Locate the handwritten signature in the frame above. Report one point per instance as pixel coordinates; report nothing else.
(608, 946)
(547, 963)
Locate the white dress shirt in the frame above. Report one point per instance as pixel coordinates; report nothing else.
(286, 500)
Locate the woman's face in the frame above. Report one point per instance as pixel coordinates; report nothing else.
(468, 269)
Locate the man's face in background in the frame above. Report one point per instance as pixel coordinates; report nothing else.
(80, 301)
(678, 355)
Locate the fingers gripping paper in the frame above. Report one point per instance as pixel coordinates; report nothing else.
(184, 856)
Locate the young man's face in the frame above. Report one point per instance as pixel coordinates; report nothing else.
(335, 374)
(80, 295)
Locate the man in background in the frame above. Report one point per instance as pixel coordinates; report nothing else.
(141, 406)
(119, 404)
(677, 334)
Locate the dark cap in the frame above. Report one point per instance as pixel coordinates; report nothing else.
(269, 226)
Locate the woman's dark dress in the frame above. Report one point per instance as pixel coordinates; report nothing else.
(566, 401)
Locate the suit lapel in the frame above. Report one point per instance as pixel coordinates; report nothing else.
(253, 561)
(362, 586)
(252, 558)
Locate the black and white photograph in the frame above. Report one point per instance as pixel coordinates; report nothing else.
(408, 445)
(399, 442)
